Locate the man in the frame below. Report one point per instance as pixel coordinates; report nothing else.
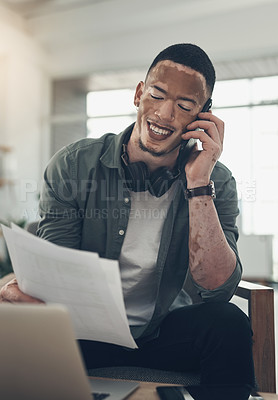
(146, 198)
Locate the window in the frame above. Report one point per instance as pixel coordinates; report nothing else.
(109, 111)
(250, 150)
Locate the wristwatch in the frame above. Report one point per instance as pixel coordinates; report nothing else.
(208, 190)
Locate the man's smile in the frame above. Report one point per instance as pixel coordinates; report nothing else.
(158, 131)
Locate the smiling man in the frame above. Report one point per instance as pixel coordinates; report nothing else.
(149, 198)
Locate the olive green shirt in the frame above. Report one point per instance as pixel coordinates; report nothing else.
(85, 205)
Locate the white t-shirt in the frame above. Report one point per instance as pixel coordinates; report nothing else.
(139, 253)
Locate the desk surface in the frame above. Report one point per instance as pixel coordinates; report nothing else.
(147, 391)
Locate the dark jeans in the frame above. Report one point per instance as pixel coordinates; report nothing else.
(213, 338)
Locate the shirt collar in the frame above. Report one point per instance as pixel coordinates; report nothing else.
(111, 158)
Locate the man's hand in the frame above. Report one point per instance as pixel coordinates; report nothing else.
(10, 293)
(201, 162)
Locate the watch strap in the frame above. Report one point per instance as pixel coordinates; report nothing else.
(208, 190)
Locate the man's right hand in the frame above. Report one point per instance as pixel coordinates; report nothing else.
(10, 293)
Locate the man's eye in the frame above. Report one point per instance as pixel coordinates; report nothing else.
(184, 108)
(156, 97)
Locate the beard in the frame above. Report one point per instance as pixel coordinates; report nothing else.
(156, 153)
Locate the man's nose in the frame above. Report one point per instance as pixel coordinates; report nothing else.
(166, 111)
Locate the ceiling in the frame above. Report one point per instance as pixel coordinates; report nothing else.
(100, 37)
(37, 8)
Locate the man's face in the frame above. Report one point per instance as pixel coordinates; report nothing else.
(170, 99)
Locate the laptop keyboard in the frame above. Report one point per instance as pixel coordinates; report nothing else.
(100, 396)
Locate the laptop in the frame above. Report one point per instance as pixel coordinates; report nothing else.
(40, 358)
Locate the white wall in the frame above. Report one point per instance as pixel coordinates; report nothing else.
(25, 99)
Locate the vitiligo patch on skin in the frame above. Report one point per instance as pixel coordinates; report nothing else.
(162, 67)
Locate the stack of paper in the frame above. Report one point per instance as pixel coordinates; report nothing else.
(89, 286)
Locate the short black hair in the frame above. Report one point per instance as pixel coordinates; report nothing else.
(191, 56)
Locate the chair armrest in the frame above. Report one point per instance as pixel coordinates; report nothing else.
(261, 313)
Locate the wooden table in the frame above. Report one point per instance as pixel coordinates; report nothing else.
(147, 391)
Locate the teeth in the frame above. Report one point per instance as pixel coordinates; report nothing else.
(159, 131)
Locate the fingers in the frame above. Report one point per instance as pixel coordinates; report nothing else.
(210, 132)
(10, 293)
(208, 116)
(210, 124)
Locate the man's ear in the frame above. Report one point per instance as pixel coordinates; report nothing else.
(138, 93)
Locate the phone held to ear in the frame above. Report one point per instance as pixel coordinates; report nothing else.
(206, 108)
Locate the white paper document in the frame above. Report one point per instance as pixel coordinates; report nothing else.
(89, 286)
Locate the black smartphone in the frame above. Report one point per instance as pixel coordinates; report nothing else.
(207, 106)
(173, 393)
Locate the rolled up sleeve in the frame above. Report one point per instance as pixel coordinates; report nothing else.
(224, 292)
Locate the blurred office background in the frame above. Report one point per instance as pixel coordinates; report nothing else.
(69, 68)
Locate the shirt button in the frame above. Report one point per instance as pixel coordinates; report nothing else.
(121, 232)
(126, 200)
